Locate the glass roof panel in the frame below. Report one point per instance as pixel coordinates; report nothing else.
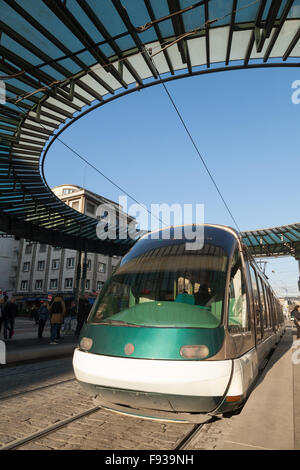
(24, 159)
(245, 11)
(161, 9)
(50, 21)
(295, 10)
(139, 16)
(69, 65)
(266, 10)
(89, 26)
(219, 9)
(253, 240)
(193, 18)
(26, 30)
(16, 48)
(267, 7)
(114, 25)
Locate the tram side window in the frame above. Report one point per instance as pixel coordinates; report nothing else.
(267, 307)
(256, 302)
(262, 302)
(237, 312)
(272, 311)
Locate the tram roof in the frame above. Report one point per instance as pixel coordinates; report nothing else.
(61, 59)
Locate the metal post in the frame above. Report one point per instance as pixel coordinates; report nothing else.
(83, 278)
(77, 281)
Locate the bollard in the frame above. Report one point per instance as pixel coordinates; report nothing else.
(2, 352)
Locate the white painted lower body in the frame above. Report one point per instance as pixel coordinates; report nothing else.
(188, 378)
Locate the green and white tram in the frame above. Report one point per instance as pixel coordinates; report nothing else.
(179, 334)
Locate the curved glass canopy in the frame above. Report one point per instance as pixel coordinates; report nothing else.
(61, 59)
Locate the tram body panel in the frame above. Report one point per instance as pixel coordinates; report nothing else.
(204, 378)
(245, 372)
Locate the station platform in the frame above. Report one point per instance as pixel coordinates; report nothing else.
(270, 418)
(26, 346)
(21, 350)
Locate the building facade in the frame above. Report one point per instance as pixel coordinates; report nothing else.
(45, 270)
(9, 258)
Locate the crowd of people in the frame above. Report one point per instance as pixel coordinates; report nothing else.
(54, 312)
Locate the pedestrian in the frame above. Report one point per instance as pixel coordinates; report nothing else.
(35, 314)
(73, 312)
(10, 311)
(57, 313)
(70, 319)
(44, 315)
(296, 314)
(84, 308)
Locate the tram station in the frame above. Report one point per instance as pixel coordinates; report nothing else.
(59, 61)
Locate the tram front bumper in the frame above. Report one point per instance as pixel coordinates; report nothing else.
(145, 384)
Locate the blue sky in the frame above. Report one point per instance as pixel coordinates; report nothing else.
(246, 128)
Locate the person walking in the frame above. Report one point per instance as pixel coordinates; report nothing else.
(44, 315)
(296, 314)
(57, 313)
(10, 311)
(84, 308)
(35, 314)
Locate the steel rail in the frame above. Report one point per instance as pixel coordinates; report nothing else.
(49, 429)
(32, 390)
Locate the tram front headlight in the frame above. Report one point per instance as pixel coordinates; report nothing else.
(86, 343)
(194, 351)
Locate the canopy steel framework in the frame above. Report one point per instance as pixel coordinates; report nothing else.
(59, 59)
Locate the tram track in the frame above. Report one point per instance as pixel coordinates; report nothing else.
(190, 441)
(184, 443)
(187, 441)
(49, 429)
(32, 390)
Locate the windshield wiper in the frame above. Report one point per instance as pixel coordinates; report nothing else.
(118, 323)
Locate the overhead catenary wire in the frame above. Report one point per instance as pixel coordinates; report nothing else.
(108, 179)
(196, 147)
(104, 176)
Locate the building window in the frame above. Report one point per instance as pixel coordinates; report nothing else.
(68, 282)
(24, 285)
(43, 248)
(28, 249)
(53, 284)
(56, 248)
(26, 267)
(90, 208)
(41, 266)
(70, 262)
(75, 205)
(68, 191)
(89, 264)
(55, 264)
(38, 284)
(101, 267)
(87, 284)
(99, 285)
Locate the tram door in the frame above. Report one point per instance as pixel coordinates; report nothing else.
(257, 306)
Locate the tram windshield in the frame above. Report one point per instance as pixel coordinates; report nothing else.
(166, 286)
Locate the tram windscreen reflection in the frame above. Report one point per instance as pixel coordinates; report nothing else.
(166, 287)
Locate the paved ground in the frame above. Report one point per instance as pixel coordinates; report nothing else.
(270, 418)
(26, 328)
